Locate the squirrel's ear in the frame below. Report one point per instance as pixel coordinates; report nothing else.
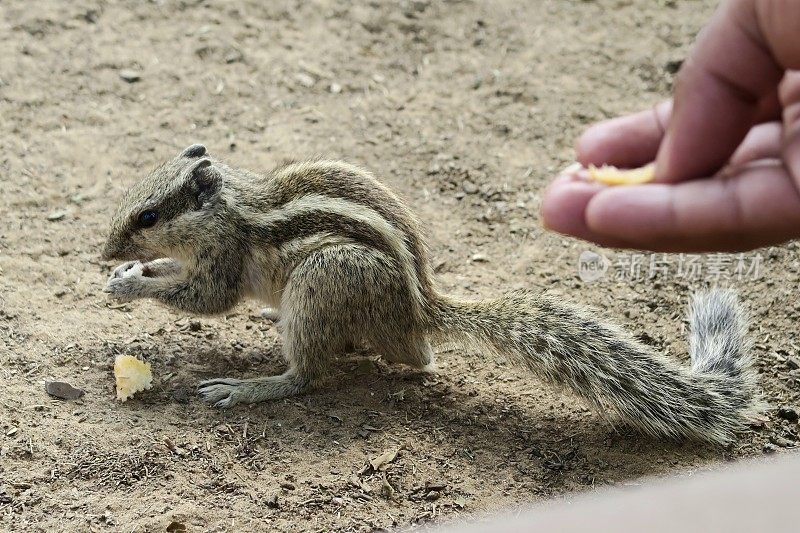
(205, 180)
(195, 150)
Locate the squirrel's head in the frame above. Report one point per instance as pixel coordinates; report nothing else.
(163, 215)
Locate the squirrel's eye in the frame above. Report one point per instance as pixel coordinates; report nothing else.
(148, 218)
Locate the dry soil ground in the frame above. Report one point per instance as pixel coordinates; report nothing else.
(466, 108)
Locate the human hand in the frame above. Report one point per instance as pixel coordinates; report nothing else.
(727, 152)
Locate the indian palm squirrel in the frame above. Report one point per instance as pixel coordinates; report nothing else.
(343, 261)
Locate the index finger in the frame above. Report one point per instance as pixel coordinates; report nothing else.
(757, 206)
(632, 141)
(627, 142)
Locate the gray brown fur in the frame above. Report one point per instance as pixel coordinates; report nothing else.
(343, 261)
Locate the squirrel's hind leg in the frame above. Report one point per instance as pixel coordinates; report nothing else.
(309, 340)
(317, 323)
(411, 350)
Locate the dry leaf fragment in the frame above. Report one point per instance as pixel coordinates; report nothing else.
(383, 460)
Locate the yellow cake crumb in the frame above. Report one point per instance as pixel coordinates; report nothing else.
(610, 175)
(132, 376)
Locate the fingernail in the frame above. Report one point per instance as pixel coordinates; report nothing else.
(563, 207)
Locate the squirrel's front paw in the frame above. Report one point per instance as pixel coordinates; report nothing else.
(131, 268)
(130, 286)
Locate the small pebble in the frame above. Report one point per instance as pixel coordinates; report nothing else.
(673, 66)
(469, 187)
(62, 390)
(432, 495)
(55, 216)
(305, 80)
(234, 56)
(272, 500)
(788, 413)
(131, 76)
(77, 199)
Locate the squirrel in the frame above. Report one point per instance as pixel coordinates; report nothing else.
(343, 262)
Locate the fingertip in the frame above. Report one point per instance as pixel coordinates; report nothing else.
(629, 141)
(762, 142)
(592, 147)
(564, 204)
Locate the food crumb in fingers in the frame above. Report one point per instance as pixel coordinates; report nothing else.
(610, 175)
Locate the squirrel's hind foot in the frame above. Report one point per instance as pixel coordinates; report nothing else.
(227, 392)
(270, 313)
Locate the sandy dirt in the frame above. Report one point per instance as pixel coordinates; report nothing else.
(465, 108)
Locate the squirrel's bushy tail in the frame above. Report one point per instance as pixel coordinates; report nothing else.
(710, 400)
